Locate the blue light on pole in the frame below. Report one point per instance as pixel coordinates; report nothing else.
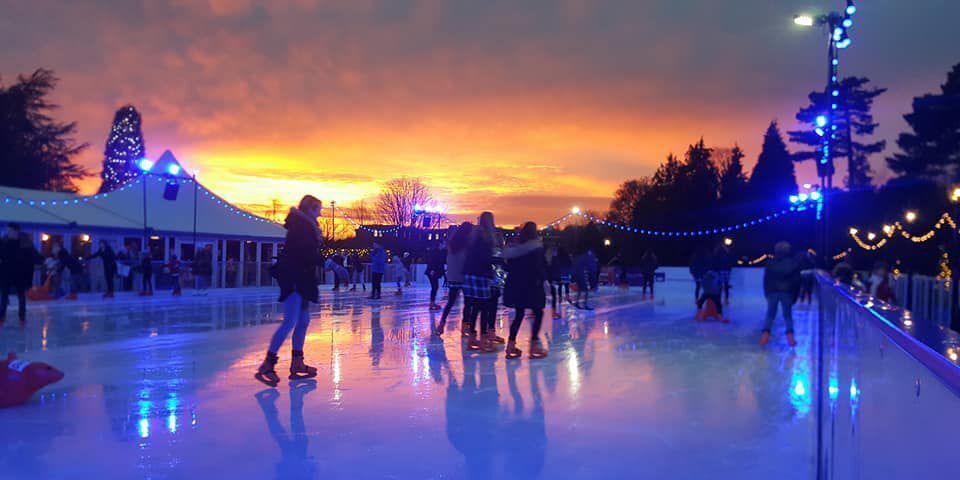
(819, 131)
(794, 199)
(815, 196)
(847, 22)
(145, 164)
(821, 120)
(173, 169)
(851, 9)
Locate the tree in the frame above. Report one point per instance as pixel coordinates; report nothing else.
(932, 150)
(36, 151)
(626, 199)
(853, 120)
(124, 149)
(773, 176)
(733, 182)
(397, 199)
(699, 179)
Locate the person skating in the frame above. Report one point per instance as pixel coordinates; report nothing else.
(456, 256)
(66, 261)
(173, 266)
(563, 266)
(146, 269)
(407, 261)
(526, 275)
(781, 285)
(340, 274)
(17, 261)
(356, 272)
(722, 262)
(436, 260)
(203, 269)
(109, 259)
(699, 265)
(400, 272)
(478, 285)
(711, 284)
(648, 269)
(584, 266)
(297, 277)
(378, 266)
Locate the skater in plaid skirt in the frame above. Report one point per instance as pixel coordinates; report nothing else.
(479, 289)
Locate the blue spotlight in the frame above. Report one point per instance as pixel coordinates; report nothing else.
(851, 9)
(794, 199)
(821, 120)
(815, 196)
(819, 131)
(173, 169)
(847, 22)
(145, 164)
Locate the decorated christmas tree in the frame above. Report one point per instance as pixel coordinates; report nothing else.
(124, 149)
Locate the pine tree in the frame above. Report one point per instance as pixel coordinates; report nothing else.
(36, 151)
(773, 176)
(853, 120)
(932, 150)
(733, 182)
(699, 179)
(124, 149)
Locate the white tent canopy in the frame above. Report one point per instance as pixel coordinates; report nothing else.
(123, 211)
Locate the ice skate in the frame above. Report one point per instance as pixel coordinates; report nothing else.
(267, 373)
(299, 369)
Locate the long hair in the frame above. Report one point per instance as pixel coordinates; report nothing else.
(528, 232)
(308, 202)
(458, 241)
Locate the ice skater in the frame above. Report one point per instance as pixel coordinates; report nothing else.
(436, 261)
(378, 265)
(173, 266)
(526, 277)
(699, 264)
(456, 256)
(781, 285)
(478, 285)
(297, 277)
(561, 274)
(109, 259)
(585, 267)
(356, 272)
(340, 274)
(17, 260)
(648, 269)
(66, 261)
(146, 269)
(710, 304)
(722, 262)
(400, 272)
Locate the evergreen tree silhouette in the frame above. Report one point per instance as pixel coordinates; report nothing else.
(932, 150)
(773, 177)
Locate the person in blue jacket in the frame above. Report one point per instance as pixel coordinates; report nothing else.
(378, 265)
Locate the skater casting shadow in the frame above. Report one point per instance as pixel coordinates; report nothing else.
(524, 434)
(294, 459)
(471, 413)
(376, 337)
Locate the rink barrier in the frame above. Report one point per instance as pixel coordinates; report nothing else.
(888, 391)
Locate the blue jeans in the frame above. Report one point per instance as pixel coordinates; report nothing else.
(785, 300)
(296, 317)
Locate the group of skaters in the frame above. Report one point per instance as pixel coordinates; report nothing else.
(476, 263)
(64, 274)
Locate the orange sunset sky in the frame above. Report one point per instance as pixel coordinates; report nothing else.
(524, 108)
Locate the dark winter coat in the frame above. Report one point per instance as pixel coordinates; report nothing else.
(378, 260)
(436, 259)
(69, 262)
(109, 259)
(297, 265)
(479, 260)
(17, 262)
(722, 260)
(782, 275)
(560, 265)
(648, 264)
(526, 271)
(203, 264)
(699, 265)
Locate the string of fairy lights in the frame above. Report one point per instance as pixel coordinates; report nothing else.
(890, 230)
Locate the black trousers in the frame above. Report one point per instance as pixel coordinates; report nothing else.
(451, 301)
(518, 320)
(5, 300)
(377, 284)
(434, 287)
(108, 276)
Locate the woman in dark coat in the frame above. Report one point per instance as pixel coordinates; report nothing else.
(526, 275)
(297, 277)
(109, 259)
(17, 259)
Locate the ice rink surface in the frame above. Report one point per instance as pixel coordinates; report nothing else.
(163, 388)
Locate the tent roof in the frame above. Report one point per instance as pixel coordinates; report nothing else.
(123, 209)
